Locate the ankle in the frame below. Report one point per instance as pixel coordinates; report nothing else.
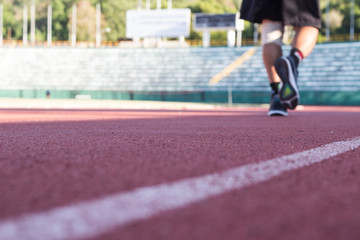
(275, 88)
(297, 56)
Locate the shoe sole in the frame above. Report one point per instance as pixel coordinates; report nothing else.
(289, 92)
(274, 113)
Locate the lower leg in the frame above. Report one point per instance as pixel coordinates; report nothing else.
(271, 52)
(272, 32)
(305, 39)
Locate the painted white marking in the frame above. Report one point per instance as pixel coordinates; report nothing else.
(93, 218)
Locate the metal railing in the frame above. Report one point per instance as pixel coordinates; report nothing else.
(338, 38)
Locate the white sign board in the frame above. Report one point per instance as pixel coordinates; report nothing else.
(209, 22)
(158, 23)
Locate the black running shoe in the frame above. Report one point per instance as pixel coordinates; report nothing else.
(289, 92)
(276, 108)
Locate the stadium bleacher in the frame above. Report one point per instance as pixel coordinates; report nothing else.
(330, 75)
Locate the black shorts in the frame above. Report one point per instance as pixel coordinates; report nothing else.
(297, 13)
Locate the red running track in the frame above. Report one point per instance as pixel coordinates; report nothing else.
(56, 158)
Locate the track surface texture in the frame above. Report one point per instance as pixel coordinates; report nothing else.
(57, 161)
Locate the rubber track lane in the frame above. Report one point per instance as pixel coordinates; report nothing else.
(68, 157)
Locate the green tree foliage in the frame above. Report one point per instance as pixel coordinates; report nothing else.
(115, 16)
(12, 19)
(343, 8)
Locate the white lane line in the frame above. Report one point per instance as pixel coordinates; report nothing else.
(93, 218)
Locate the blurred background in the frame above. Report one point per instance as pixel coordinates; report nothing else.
(81, 49)
(337, 19)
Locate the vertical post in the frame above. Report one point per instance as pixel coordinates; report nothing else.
(25, 32)
(32, 24)
(352, 20)
(98, 25)
(206, 39)
(49, 26)
(230, 96)
(240, 26)
(73, 28)
(148, 5)
(256, 34)
(327, 20)
(182, 40)
(169, 4)
(139, 5)
(158, 40)
(231, 36)
(238, 38)
(1, 24)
